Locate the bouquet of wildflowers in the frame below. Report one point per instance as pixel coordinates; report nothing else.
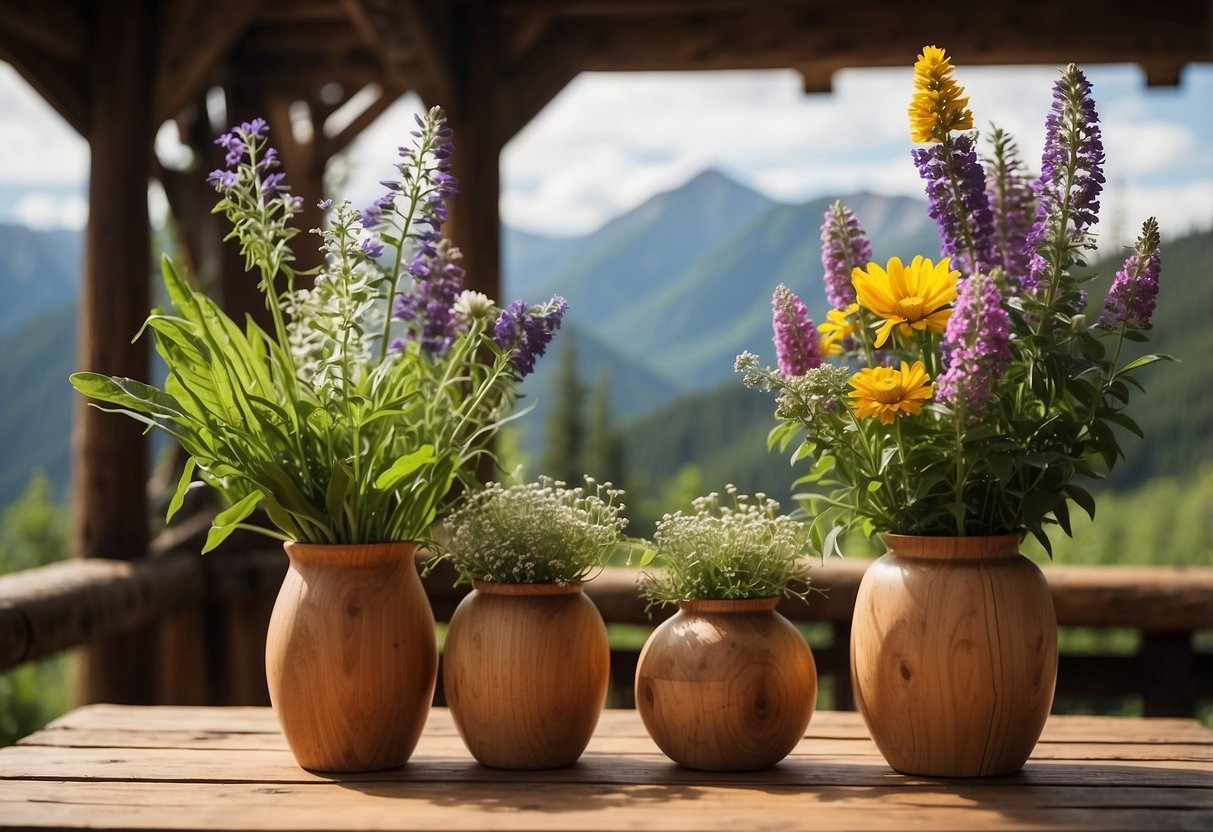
(536, 532)
(966, 395)
(738, 548)
(381, 383)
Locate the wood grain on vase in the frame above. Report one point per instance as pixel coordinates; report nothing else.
(525, 671)
(954, 654)
(351, 658)
(726, 685)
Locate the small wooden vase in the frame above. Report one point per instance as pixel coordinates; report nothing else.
(350, 656)
(525, 670)
(954, 654)
(726, 685)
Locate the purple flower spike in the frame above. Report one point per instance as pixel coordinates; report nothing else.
(1071, 179)
(956, 193)
(1130, 301)
(844, 248)
(797, 346)
(976, 347)
(528, 330)
(1013, 203)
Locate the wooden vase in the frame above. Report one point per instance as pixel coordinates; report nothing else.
(954, 654)
(350, 656)
(726, 685)
(525, 670)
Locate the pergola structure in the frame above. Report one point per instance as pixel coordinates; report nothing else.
(116, 70)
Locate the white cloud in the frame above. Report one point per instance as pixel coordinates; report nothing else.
(37, 147)
(46, 210)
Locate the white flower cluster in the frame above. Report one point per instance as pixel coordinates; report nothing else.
(539, 532)
(741, 548)
(334, 325)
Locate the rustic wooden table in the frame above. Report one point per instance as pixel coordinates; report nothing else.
(179, 768)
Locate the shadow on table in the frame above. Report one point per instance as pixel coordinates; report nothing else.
(1046, 794)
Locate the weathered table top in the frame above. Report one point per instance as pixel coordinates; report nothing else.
(179, 768)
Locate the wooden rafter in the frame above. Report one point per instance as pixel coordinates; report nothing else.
(339, 141)
(820, 36)
(56, 26)
(431, 34)
(62, 82)
(409, 62)
(194, 36)
(547, 67)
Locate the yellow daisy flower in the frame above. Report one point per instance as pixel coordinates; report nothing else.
(839, 326)
(939, 105)
(912, 297)
(884, 392)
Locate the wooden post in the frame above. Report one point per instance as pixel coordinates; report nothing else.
(475, 221)
(111, 454)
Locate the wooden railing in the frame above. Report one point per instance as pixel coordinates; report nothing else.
(205, 619)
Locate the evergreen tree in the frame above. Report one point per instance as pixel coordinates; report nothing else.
(565, 445)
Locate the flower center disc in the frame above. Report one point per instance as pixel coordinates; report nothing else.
(911, 308)
(887, 391)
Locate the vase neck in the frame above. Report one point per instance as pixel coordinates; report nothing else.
(701, 606)
(527, 590)
(924, 547)
(349, 554)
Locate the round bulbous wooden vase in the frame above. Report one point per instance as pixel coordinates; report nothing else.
(350, 657)
(525, 671)
(726, 685)
(954, 654)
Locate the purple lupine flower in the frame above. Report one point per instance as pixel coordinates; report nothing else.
(1071, 179)
(528, 330)
(1131, 298)
(272, 185)
(269, 159)
(844, 248)
(427, 306)
(324, 204)
(257, 128)
(231, 142)
(797, 346)
(956, 193)
(221, 179)
(372, 247)
(1013, 204)
(976, 347)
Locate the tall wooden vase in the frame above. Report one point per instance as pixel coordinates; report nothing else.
(350, 656)
(726, 685)
(954, 654)
(525, 672)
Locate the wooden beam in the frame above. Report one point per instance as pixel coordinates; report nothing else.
(63, 605)
(339, 141)
(532, 82)
(193, 36)
(412, 57)
(60, 82)
(781, 34)
(429, 25)
(54, 26)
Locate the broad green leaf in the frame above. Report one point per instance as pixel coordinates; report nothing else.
(1145, 360)
(183, 484)
(225, 522)
(404, 466)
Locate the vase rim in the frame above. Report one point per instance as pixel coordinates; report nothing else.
(729, 605)
(953, 547)
(350, 554)
(528, 590)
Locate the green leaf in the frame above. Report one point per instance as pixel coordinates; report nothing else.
(1082, 497)
(1145, 360)
(647, 557)
(339, 486)
(183, 484)
(404, 466)
(225, 522)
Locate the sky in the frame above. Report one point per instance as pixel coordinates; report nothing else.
(608, 142)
